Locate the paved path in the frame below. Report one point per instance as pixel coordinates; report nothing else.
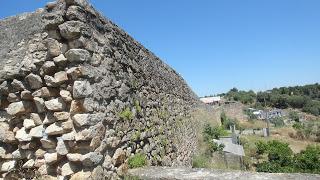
(166, 173)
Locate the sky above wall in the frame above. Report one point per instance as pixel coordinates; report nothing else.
(219, 44)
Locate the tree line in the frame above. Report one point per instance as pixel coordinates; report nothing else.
(306, 98)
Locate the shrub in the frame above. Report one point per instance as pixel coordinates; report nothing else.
(215, 147)
(215, 132)
(200, 161)
(126, 114)
(308, 160)
(137, 161)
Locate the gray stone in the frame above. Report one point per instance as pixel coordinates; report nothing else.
(54, 47)
(74, 157)
(60, 77)
(39, 102)
(78, 55)
(48, 143)
(7, 166)
(17, 85)
(119, 157)
(68, 169)
(60, 60)
(75, 72)
(54, 129)
(76, 13)
(55, 104)
(35, 81)
(81, 89)
(66, 95)
(18, 108)
(69, 136)
(28, 164)
(108, 162)
(37, 132)
(28, 123)
(12, 97)
(37, 119)
(91, 159)
(22, 135)
(71, 29)
(48, 68)
(61, 116)
(61, 147)
(50, 81)
(51, 158)
(26, 95)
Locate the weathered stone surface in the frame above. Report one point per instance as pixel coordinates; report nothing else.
(37, 132)
(37, 119)
(75, 72)
(61, 147)
(7, 166)
(60, 60)
(61, 116)
(28, 123)
(188, 173)
(35, 81)
(119, 157)
(48, 143)
(81, 89)
(69, 136)
(39, 102)
(95, 72)
(12, 97)
(51, 158)
(68, 169)
(74, 157)
(48, 68)
(71, 29)
(55, 129)
(76, 13)
(55, 104)
(18, 108)
(60, 77)
(28, 164)
(26, 95)
(17, 85)
(66, 95)
(50, 81)
(78, 55)
(91, 159)
(22, 135)
(54, 47)
(81, 176)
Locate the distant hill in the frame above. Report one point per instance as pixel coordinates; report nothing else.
(306, 98)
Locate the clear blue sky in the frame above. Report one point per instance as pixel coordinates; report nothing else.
(219, 44)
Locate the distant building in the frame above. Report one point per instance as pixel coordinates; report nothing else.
(211, 100)
(263, 115)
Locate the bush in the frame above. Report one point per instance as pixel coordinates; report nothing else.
(200, 161)
(308, 161)
(278, 122)
(215, 147)
(137, 161)
(294, 116)
(215, 132)
(126, 114)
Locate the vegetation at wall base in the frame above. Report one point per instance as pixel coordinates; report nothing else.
(137, 161)
(282, 160)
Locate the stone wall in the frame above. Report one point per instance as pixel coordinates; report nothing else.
(78, 97)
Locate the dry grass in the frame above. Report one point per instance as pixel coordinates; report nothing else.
(282, 134)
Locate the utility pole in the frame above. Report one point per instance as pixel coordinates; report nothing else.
(268, 124)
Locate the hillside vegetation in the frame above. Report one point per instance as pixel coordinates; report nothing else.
(306, 98)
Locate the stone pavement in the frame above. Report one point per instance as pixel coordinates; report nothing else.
(168, 173)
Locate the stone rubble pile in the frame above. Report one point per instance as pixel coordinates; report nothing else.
(86, 98)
